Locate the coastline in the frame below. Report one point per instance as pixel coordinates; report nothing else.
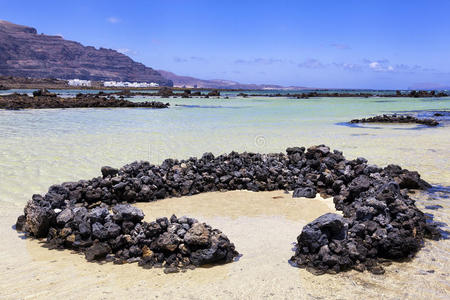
(8, 83)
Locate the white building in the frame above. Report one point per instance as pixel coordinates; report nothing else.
(129, 84)
(79, 82)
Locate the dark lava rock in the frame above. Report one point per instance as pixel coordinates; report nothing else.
(124, 212)
(108, 171)
(97, 251)
(433, 207)
(20, 224)
(411, 180)
(307, 192)
(43, 92)
(124, 237)
(165, 92)
(38, 219)
(44, 100)
(214, 93)
(379, 219)
(168, 241)
(396, 119)
(64, 217)
(197, 235)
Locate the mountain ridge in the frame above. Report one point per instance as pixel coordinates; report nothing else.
(191, 82)
(25, 53)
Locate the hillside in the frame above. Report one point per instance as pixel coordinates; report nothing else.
(189, 82)
(25, 53)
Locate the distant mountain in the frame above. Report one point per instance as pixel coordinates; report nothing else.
(190, 82)
(25, 53)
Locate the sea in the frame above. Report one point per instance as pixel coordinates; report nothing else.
(42, 147)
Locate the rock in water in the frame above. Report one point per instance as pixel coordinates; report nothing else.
(379, 220)
(396, 119)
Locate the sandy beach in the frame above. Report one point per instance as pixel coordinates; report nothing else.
(263, 226)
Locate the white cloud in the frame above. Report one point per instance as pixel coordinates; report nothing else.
(113, 20)
(374, 65)
(381, 66)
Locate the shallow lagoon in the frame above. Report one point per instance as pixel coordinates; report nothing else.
(42, 147)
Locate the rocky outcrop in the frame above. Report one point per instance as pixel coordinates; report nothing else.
(379, 220)
(120, 235)
(396, 119)
(43, 99)
(214, 93)
(25, 53)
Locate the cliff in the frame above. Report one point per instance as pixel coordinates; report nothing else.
(25, 53)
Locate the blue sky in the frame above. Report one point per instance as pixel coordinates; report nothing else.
(351, 44)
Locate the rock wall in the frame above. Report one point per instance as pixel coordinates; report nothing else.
(380, 220)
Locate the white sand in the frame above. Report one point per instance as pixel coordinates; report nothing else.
(263, 227)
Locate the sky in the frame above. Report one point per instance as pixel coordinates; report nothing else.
(379, 44)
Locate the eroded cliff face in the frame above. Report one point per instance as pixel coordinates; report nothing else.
(25, 53)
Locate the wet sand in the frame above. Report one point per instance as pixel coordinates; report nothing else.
(262, 225)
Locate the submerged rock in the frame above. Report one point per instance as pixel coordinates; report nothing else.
(396, 119)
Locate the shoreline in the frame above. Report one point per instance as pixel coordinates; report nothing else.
(7, 83)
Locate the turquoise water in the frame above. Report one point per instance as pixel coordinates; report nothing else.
(41, 147)
(82, 140)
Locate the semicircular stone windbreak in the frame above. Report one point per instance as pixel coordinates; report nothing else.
(93, 216)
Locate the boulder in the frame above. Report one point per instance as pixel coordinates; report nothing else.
(109, 171)
(126, 212)
(38, 219)
(97, 251)
(168, 241)
(197, 235)
(64, 217)
(307, 192)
